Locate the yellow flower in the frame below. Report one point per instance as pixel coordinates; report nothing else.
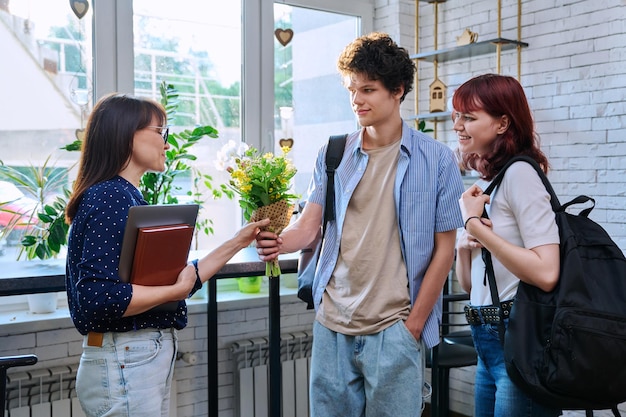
(259, 179)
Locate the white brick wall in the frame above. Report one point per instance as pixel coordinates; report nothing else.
(574, 74)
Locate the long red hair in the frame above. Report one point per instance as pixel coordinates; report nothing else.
(499, 95)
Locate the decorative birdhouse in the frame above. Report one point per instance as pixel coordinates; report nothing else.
(437, 96)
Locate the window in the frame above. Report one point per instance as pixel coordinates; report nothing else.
(47, 86)
(223, 60)
(200, 55)
(310, 101)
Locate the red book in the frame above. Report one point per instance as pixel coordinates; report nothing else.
(161, 252)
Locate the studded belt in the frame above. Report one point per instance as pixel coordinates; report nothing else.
(487, 314)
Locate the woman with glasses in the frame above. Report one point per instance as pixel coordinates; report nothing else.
(493, 123)
(129, 349)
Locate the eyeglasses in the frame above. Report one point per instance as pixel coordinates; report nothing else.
(164, 131)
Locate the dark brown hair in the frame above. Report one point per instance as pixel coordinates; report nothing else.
(380, 58)
(500, 95)
(108, 143)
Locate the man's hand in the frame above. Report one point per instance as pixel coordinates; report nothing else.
(268, 246)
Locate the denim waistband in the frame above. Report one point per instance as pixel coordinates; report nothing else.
(96, 339)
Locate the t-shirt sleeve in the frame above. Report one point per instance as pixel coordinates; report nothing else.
(529, 202)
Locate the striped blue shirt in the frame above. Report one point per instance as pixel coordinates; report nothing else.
(427, 188)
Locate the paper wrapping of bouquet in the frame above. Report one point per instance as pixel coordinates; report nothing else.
(279, 214)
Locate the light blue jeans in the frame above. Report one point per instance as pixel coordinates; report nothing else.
(495, 395)
(378, 375)
(129, 376)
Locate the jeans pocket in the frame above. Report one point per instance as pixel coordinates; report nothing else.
(141, 352)
(408, 335)
(92, 387)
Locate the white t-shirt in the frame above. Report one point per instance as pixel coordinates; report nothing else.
(521, 213)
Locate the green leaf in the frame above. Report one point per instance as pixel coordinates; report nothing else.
(42, 251)
(28, 240)
(50, 210)
(44, 217)
(54, 246)
(74, 146)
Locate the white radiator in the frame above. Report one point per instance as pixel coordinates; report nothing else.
(50, 392)
(43, 393)
(252, 373)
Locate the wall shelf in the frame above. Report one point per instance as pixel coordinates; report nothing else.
(442, 116)
(437, 91)
(468, 51)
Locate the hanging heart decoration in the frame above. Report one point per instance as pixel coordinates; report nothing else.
(284, 36)
(79, 7)
(286, 142)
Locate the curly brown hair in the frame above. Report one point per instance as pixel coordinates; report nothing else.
(378, 57)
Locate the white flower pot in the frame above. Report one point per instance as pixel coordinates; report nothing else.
(42, 303)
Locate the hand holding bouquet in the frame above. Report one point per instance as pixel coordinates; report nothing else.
(263, 182)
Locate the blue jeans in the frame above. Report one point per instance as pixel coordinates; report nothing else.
(129, 376)
(495, 395)
(378, 375)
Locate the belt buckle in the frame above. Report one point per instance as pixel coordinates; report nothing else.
(471, 314)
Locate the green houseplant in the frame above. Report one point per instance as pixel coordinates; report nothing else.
(159, 187)
(45, 228)
(47, 233)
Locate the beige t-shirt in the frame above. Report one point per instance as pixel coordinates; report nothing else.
(369, 288)
(521, 213)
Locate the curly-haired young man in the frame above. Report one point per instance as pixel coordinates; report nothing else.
(377, 289)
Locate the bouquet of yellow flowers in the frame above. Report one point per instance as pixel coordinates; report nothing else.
(263, 182)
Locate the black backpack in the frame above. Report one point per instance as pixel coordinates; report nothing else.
(567, 348)
(307, 262)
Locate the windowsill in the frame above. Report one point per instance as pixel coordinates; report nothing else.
(228, 297)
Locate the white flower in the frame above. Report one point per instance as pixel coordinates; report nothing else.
(229, 152)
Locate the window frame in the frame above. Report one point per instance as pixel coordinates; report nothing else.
(114, 56)
(113, 66)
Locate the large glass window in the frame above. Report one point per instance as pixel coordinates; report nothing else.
(221, 57)
(47, 85)
(199, 55)
(311, 102)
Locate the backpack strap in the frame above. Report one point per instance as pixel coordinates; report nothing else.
(334, 154)
(486, 255)
(556, 206)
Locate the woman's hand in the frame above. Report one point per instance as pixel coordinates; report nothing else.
(473, 202)
(467, 241)
(184, 284)
(248, 233)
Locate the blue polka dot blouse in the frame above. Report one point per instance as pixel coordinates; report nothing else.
(97, 297)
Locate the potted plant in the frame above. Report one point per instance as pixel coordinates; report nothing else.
(158, 187)
(43, 227)
(47, 235)
(42, 224)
